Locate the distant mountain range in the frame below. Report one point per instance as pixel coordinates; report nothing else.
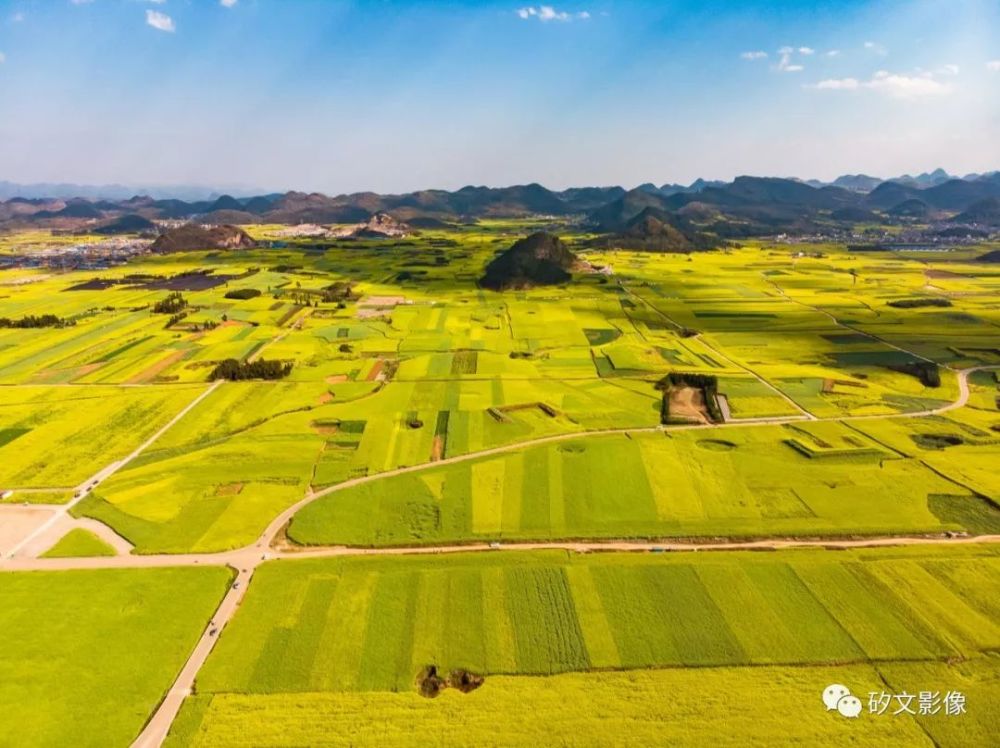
(193, 193)
(672, 215)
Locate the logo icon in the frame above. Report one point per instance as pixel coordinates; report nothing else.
(838, 697)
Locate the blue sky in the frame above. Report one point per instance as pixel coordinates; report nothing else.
(398, 95)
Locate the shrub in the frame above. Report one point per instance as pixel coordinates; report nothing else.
(243, 293)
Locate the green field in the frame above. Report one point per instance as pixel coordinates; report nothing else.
(87, 655)
(79, 543)
(707, 706)
(427, 411)
(732, 482)
(418, 367)
(371, 624)
(321, 639)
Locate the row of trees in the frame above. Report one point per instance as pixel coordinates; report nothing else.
(243, 294)
(32, 321)
(917, 303)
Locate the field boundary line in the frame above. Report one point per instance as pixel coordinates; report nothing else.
(83, 490)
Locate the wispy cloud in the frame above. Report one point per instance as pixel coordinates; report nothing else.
(833, 53)
(896, 85)
(948, 70)
(836, 84)
(160, 21)
(81, 2)
(757, 54)
(876, 48)
(545, 13)
(993, 66)
(3, 58)
(785, 64)
(228, 3)
(806, 50)
(17, 17)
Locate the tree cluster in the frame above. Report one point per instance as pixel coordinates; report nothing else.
(926, 371)
(236, 371)
(172, 304)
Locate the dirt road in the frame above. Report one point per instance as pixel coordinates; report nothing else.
(104, 473)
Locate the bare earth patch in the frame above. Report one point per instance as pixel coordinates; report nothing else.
(437, 450)
(688, 403)
(162, 365)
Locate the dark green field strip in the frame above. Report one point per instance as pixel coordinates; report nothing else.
(110, 355)
(543, 617)
(374, 624)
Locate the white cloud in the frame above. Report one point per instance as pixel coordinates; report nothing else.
(837, 84)
(543, 13)
(948, 70)
(3, 58)
(903, 86)
(160, 21)
(17, 18)
(876, 48)
(806, 50)
(833, 53)
(81, 2)
(228, 3)
(896, 85)
(756, 54)
(993, 66)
